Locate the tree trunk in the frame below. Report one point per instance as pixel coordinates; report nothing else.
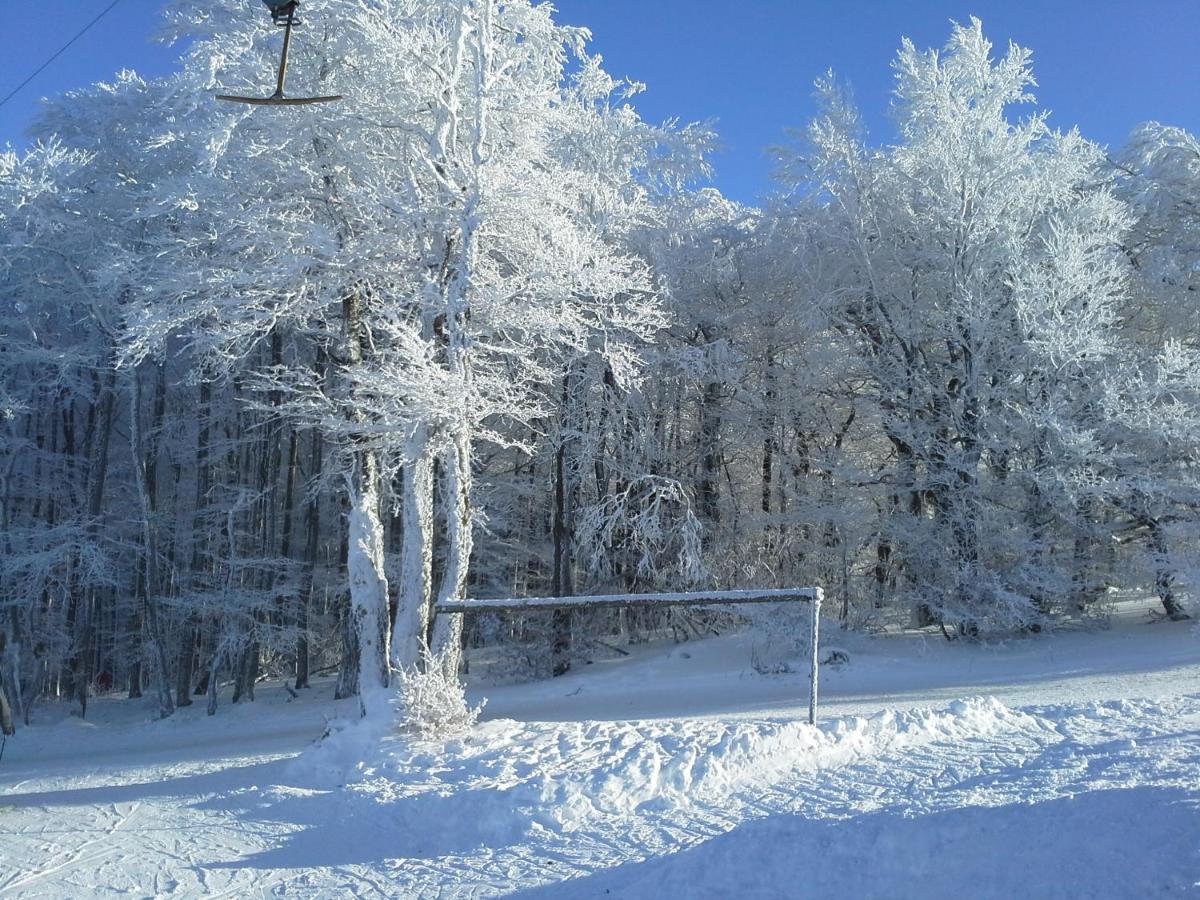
(186, 664)
(212, 678)
(312, 519)
(347, 681)
(7, 728)
(187, 641)
(368, 583)
(447, 632)
(144, 471)
(411, 629)
(770, 446)
(563, 536)
(312, 546)
(1164, 573)
(365, 549)
(208, 647)
(97, 477)
(710, 449)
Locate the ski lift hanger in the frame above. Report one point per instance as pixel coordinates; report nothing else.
(283, 13)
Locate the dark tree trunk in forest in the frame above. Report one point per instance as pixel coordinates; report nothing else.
(563, 534)
(136, 637)
(710, 462)
(187, 640)
(212, 680)
(185, 665)
(347, 682)
(7, 727)
(770, 446)
(144, 456)
(101, 439)
(1164, 575)
(312, 538)
(247, 675)
(208, 643)
(6, 713)
(312, 520)
(284, 606)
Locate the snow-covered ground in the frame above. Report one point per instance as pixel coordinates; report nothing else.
(1065, 765)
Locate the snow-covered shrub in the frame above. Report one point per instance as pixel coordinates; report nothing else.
(432, 704)
(782, 637)
(647, 527)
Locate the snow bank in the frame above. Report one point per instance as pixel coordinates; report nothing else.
(563, 777)
(656, 765)
(1090, 787)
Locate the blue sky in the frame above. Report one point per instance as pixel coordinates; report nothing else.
(1103, 65)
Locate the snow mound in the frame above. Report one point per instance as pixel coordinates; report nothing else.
(638, 767)
(563, 777)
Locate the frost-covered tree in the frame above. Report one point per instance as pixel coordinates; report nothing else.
(461, 232)
(1158, 173)
(974, 266)
(274, 381)
(1154, 412)
(50, 549)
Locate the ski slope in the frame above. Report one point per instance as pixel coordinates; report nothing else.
(1053, 766)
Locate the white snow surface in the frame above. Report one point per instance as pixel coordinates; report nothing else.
(1052, 766)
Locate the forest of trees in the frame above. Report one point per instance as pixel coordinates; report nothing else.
(274, 381)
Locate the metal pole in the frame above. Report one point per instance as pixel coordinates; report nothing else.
(815, 663)
(593, 601)
(287, 40)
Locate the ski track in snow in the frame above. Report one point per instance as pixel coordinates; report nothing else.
(1055, 797)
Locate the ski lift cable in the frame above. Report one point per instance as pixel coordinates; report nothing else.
(61, 50)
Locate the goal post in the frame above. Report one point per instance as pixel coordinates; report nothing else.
(813, 596)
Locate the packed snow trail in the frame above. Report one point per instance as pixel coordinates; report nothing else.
(1098, 800)
(1071, 794)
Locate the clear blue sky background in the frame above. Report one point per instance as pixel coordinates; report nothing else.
(1104, 65)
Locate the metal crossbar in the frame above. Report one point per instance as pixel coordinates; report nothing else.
(811, 595)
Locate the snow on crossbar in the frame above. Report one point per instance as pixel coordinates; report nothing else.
(811, 595)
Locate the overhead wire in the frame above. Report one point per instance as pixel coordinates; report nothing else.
(61, 50)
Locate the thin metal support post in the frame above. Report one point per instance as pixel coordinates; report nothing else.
(815, 662)
(283, 59)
